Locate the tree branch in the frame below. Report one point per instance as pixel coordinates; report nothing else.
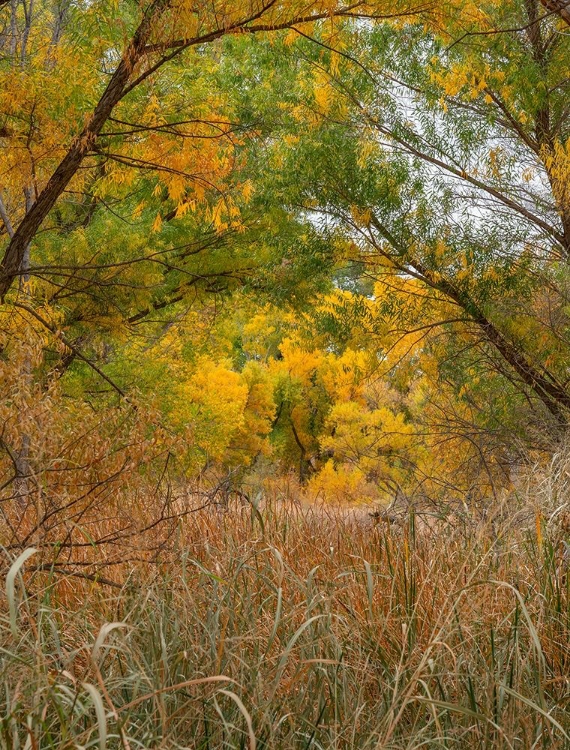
(552, 393)
(69, 345)
(560, 7)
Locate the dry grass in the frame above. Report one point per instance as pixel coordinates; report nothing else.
(298, 628)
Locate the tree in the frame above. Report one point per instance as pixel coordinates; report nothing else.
(416, 127)
(128, 211)
(331, 238)
(165, 30)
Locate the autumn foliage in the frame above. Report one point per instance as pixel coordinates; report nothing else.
(285, 367)
(309, 240)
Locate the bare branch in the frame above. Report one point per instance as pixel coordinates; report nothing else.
(71, 346)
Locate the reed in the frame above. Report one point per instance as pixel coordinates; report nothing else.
(292, 627)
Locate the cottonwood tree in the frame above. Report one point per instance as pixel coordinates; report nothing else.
(121, 172)
(436, 154)
(164, 31)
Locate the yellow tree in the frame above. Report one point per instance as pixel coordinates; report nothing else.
(165, 31)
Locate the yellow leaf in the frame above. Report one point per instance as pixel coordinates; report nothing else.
(157, 225)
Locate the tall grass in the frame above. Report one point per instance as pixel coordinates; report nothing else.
(297, 628)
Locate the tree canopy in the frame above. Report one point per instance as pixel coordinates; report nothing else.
(249, 241)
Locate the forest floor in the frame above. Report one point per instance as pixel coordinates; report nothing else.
(295, 627)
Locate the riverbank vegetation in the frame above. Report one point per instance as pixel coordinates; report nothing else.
(271, 271)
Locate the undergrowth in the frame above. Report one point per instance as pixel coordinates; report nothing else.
(297, 628)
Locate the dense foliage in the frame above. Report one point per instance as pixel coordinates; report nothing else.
(284, 374)
(246, 242)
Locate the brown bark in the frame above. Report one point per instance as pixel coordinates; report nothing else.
(552, 393)
(303, 463)
(119, 86)
(545, 134)
(560, 7)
